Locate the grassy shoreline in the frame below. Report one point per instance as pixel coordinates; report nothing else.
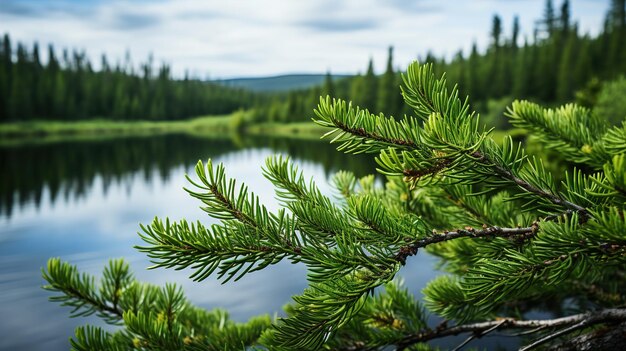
(205, 126)
(86, 127)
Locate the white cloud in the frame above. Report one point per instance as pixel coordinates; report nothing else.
(252, 38)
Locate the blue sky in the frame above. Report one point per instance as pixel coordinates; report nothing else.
(234, 38)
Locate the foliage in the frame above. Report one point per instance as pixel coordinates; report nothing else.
(611, 103)
(549, 67)
(155, 318)
(507, 231)
(69, 89)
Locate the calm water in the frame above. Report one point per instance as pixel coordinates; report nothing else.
(83, 201)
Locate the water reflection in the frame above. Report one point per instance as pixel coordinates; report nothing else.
(82, 201)
(68, 169)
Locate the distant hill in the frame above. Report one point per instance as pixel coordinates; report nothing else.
(278, 83)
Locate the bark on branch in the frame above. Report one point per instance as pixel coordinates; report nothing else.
(468, 232)
(598, 339)
(582, 320)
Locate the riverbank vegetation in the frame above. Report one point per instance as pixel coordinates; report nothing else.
(226, 126)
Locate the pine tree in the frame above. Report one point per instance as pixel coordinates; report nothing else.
(581, 73)
(329, 86)
(474, 87)
(565, 82)
(20, 97)
(496, 32)
(388, 90)
(369, 95)
(508, 232)
(497, 83)
(617, 36)
(565, 19)
(546, 71)
(515, 33)
(549, 19)
(6, 64)
(36, 84)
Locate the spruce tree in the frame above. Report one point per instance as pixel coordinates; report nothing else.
(369, 95)
(565, 19)
(617, 35)
(515, 33)
(474, 86)
(508, 233)
(20, 97)
(6, 64)
(329, 85)
(549, 18)
(565, 80)
(495, 78)
(388, 90)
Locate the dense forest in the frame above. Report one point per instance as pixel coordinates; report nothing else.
(550, 68)
(68, 88)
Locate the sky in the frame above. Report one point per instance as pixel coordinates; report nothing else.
(250, 38)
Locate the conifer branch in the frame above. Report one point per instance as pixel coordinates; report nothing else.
(569, 323)
(555, 199)
(362, 133)
(469, 232)
(571, 130)
(78, 291)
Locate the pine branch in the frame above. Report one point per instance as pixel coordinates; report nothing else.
(495, 231)
(154, 318)
(569, 324)
(507, 174)
(79, 292)
(571, 130)
(449, 140)
(359, 131)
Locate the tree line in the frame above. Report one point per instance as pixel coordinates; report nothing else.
(550, 67)
(69, 88)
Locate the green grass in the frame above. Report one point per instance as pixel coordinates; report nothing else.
(42, 128)
(18, 133)
(300, 130)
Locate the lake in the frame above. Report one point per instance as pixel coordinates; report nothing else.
(83, 201)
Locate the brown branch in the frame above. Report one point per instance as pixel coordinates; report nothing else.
(468, 232)
(361, 132)
(415, 174)
(570, 323)
(476, 335)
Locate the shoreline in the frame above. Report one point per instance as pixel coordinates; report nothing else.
(16, 133)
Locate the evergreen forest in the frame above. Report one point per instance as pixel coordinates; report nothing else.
(556, 64)
(68, 88)
(550, 67)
